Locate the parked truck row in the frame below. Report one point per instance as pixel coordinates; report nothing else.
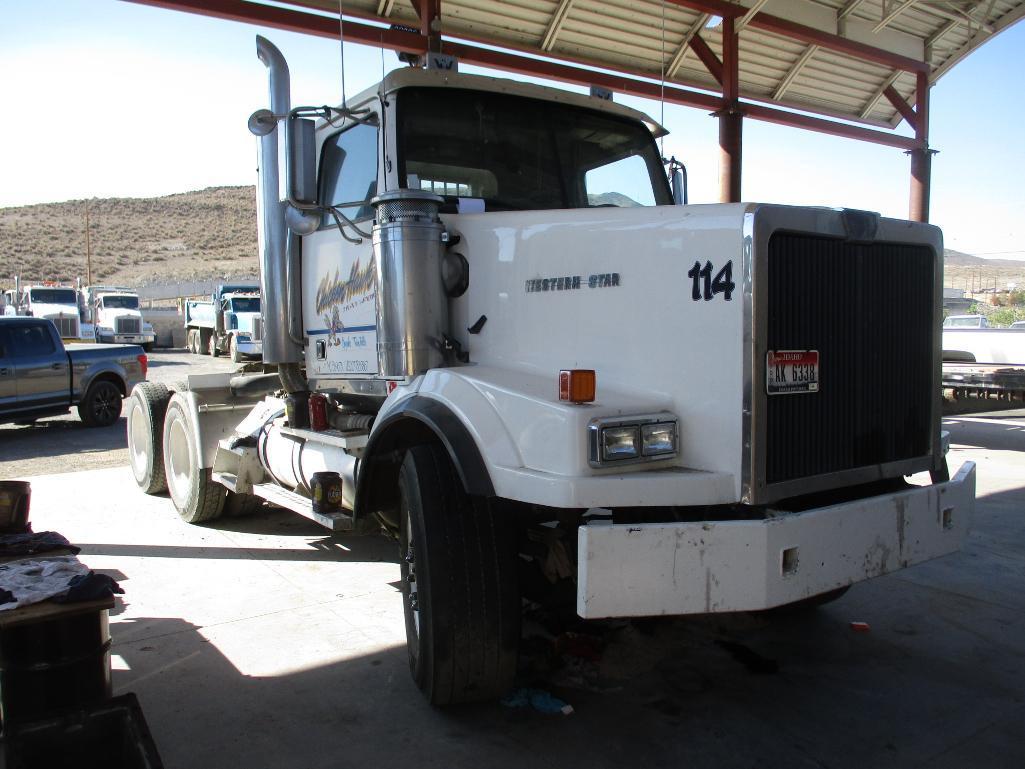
(109, 314)
(650, 407)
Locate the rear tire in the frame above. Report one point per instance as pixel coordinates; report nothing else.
(460, 594)
(196, 497)
(203, 341)
(101, 405)
(211, 346)
(146, 408)
(236, 356)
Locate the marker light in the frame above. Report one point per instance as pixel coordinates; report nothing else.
(577, 385)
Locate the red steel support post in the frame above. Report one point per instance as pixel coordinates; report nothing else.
(429, 12)
(731, 118)
(921, 158)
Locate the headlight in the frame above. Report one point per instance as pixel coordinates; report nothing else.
(658, 438)
(624, 440)
(619, 443)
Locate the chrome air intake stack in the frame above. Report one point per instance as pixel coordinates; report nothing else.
(278, 347)
(412, 308)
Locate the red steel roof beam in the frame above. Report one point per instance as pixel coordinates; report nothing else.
(807, 34)
(845, 130)
(294, 21)
(901, 106)
(707, 56)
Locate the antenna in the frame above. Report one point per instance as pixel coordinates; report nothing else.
(662, 91)
(341, 46)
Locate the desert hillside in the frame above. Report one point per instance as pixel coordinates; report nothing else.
(211, 233)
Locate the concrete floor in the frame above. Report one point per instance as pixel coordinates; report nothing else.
(267, 642)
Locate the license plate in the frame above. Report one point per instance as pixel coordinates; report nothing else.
(791, 371)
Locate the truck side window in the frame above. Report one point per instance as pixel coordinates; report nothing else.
(348, 171)
(33, 339)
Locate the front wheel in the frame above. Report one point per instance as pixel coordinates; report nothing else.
(194, 494)
(460, 594)
(101, 405)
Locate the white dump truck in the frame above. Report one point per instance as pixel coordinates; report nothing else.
(56, 301)
(116, 316)
(542, 376)
(229, 322)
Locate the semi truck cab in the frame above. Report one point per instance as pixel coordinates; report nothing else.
(533, 368)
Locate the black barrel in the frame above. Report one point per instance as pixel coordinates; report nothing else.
(14, 503)
(57, 663)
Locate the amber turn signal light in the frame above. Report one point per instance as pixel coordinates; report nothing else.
(577, 385)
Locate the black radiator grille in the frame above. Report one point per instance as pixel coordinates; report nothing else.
(868, 310)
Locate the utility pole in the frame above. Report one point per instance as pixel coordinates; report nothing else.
(88, 250)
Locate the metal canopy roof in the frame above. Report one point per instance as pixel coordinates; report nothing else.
(867, 62)
(857, 60)
(866, 46)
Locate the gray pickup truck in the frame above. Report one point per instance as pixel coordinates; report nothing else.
(39, 377)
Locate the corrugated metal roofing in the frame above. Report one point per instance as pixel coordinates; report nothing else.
(834, 57)
(649, 38)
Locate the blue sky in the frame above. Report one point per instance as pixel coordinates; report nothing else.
(112, 99)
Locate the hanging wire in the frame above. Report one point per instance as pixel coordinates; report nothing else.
(662, 93)
(341, 46)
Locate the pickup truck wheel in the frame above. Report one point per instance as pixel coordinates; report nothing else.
(236, 356)
(460, 593)
(196, 497)
(101, 406)
(146, 408)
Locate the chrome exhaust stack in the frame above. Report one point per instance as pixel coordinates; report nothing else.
(278, 345)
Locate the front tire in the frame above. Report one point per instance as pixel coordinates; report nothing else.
(194, 494)
(101, 406)
(146, 408)
(460, 593)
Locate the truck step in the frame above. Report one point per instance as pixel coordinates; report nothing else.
(300, 504)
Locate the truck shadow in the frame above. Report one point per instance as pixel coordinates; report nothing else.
(59, 436)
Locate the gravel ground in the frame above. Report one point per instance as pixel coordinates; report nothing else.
(63, 444)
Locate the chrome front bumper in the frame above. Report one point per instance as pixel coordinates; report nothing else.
(721, 566)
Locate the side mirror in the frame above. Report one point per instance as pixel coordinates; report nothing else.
(679, 182)
(301, 166)
(302, 216)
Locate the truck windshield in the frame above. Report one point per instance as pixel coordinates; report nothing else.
(53, 295)
(246, 304)
(121, 302)
(517, 153)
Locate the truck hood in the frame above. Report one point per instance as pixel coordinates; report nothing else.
(41, 310)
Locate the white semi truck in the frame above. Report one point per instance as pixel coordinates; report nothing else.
(115, 314)
(56, 301)
(667, 409)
